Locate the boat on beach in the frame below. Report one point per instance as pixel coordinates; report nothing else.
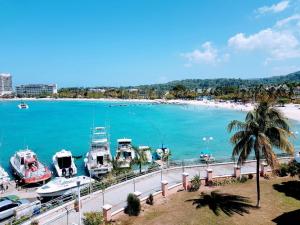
(64, 164)
(147, 152)
(23, 105)
(60, 186)
(28, 169)
(98, 159)
(4, 177)
(125, 153)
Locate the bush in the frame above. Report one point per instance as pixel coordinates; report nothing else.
(150, 200)
(282, 171)
(243, 179)
(195, 183)
(250, 176)
(93, 218)
(34, 222)
(294, 168)
(133, 207)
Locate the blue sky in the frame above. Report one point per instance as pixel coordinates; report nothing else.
(129, 42)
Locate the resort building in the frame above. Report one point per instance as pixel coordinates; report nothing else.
(5, 84)
(36, 90)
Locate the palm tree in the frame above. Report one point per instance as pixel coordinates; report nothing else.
(140, 158)
(264, 128)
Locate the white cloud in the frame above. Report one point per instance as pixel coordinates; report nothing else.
(288, 20)
(277, 44)
(279, 7)
(207, 54)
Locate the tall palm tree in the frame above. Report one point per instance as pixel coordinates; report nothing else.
(264, 128)
(140, 158)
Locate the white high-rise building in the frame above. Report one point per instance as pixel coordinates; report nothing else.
(5, 84)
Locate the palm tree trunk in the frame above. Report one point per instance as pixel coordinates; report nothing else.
(140, 167)
(257, 181)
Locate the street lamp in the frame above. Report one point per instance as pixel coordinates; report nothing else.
(78, 186)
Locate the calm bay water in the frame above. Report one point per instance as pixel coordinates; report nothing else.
(49, 126)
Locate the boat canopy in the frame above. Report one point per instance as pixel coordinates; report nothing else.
(124, 140)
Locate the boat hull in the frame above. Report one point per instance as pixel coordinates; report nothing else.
(30, 180)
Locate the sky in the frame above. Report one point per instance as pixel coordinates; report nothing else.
(132, 42)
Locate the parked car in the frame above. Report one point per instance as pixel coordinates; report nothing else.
(7, 208)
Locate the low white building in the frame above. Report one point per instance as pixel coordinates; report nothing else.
(36, 90)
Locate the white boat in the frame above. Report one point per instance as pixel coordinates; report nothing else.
(161, 152)
(64, 164)
(26, 166)
(147, 151)
(23, 105)
(4, 177)
(62, 186)
(98, 159)
(125, 153)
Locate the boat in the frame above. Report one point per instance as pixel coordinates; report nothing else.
(125, 153)
(28, 168)
(98, 159)
(23, 105)
(161, 152)
(147, 151)
(4, 177)
(60, 186)
(64, 164)
(206, 156)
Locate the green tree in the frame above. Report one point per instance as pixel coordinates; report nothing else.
(93, 218)
(264, 128)
(140, 158)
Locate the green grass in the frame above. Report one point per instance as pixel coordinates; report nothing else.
(176, 210)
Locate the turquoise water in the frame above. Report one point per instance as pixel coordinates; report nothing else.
(49, 126)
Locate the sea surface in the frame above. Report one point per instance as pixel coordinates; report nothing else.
(49, 126)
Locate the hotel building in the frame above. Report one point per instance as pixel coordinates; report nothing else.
(5, 84)
(36, 90)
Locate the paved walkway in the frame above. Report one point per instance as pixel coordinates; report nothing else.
(150, 183)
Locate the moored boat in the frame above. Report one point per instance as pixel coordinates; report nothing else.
(23, 105)
(206, 156)
(162, 153)
(4, 177)
(26, 166)
(125, 153)
(64, 164)
(98, 159)
(60, 186)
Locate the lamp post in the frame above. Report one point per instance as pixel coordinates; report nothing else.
(78, 186)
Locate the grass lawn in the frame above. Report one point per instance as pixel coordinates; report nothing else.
(177, 210)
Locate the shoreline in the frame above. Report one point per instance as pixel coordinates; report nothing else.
(291, 111)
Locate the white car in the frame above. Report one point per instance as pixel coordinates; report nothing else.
(8, 207)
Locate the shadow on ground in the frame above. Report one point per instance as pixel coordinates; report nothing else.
(227, 203)
(289, 218)
(290, 188)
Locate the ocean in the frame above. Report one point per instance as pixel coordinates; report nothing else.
(49, 126)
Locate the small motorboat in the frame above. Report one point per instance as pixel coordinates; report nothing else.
(98, 159)
(147, 151)
(206, 156)
(125, 153)
(64, 164)
(162, 153)
(23, 105)
(26, 166)
(60, 186)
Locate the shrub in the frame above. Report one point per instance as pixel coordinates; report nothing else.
(250, 176)
(294, 168)
(34, 222)
(195, 183)
(243, 179)
(150, 200)
(93, 218)
(282, 171)
(133, 207)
